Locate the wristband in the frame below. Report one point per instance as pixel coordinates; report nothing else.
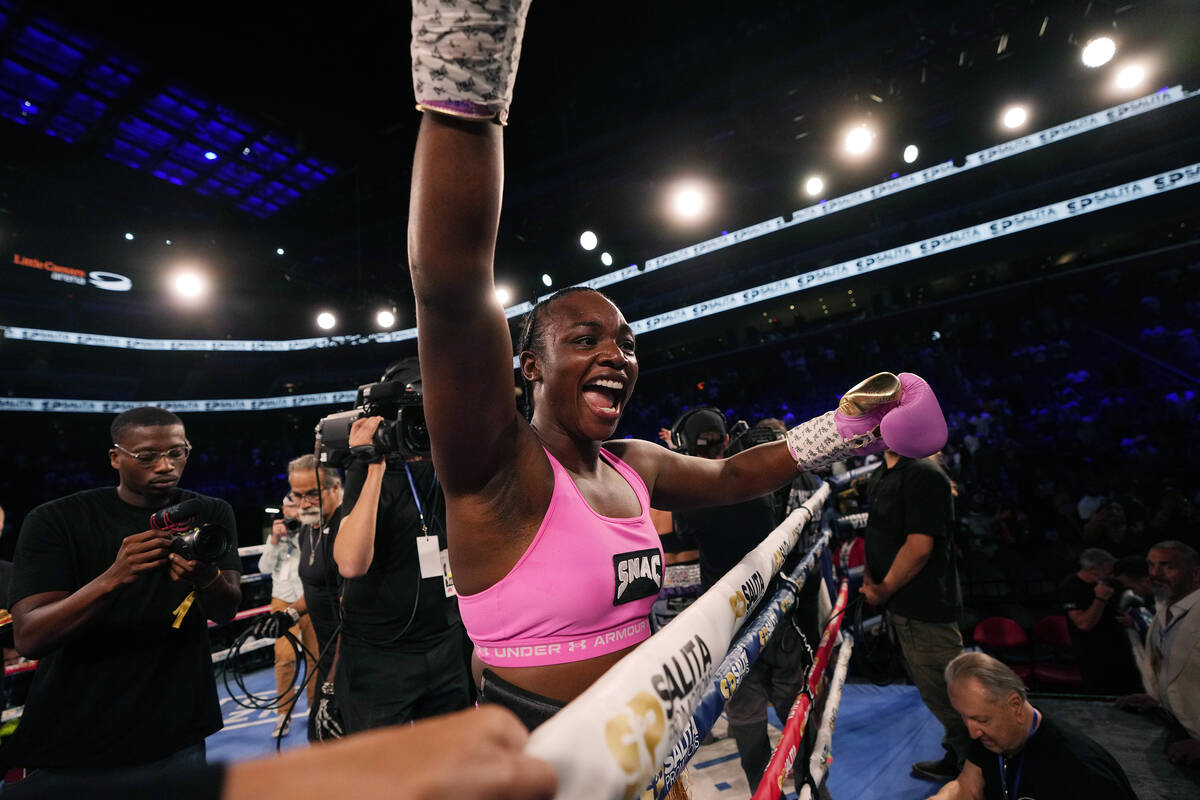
(210, 583)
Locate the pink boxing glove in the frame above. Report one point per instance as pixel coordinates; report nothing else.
(883, 412)
(911, 424)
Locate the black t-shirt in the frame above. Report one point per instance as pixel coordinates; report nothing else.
(1057, 762)
(129, 688)
(391, 605)
(1105, 655)
(914, 497)
(725, 534)
(319, 576)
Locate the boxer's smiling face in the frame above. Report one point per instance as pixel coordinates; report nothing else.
(587, 368)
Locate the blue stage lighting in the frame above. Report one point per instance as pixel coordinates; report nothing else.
(210, 155)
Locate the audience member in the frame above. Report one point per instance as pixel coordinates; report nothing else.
(912, 574)
(289, 611)
(1173, 649)
(1017, 751)
(1090, 598)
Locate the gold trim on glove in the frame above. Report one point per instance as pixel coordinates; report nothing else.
(881, 388)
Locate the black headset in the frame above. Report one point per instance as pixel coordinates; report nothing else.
(679, 438)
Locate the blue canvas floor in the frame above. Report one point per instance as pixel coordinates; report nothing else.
(880, 732)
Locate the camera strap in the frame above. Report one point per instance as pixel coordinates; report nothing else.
(181, 611)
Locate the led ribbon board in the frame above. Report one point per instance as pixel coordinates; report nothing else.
(1001, 151)
(1078, 206)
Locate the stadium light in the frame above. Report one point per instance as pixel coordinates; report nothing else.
(279, 251)
(1014, 117)
(189, 285)
(688, 201)
(326, 320)
(129, 237)
(1098, 52)
(503, 295)
(547, 280)
(385, 318)
(606, 259)
(814, 186)
(910, 154)
(588, 240)
(858, 140)
(1130, 77)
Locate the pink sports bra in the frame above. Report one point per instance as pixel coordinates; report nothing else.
(582, 589)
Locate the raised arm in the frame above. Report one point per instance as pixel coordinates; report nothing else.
(462, 336)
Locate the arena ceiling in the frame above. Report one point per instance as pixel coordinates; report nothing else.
(310, 118)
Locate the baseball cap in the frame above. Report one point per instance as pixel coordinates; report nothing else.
(704, 427)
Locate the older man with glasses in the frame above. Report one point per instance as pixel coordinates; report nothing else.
(116, 619)
(317, 489)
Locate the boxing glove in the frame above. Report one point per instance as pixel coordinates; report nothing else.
(886, 411)
(179, 517)
(465, 54)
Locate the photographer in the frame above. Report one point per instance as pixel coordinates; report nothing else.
(116, 614)
(401, 655)
(725, 534)
(289, 611)
(1090, 598)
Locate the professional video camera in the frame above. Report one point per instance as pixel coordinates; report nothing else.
(743, 437)
(397, 398)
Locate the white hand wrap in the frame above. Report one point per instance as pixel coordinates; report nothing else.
(817, 443)
(465, 54)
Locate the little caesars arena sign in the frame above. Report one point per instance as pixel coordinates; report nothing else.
(109, 281)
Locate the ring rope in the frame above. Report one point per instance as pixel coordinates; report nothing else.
(734, 668)
(818, 762)
(781, 760)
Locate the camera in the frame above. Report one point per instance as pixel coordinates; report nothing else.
(402, 432)
(205, 542)
(291, 524)
(743, 437)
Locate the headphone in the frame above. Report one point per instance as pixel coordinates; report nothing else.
(679, 437)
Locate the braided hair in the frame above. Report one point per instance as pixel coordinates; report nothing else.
(532, 334)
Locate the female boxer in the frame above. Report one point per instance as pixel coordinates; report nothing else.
(553, 552)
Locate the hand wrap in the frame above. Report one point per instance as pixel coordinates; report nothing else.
(465, 54)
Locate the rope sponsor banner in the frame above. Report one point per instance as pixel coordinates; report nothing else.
(627, 722)
(780, 765)
(732, 670)
(822, 755)
(902, 183)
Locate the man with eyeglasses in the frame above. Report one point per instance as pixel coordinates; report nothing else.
(317, 488)
(116, 620)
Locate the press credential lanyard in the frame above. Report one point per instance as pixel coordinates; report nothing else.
(1020, 762)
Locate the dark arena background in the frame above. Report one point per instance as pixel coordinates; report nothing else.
(782, 198)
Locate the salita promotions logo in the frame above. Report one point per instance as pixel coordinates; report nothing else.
(632, 736)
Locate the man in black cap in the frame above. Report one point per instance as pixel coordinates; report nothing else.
(725, 535)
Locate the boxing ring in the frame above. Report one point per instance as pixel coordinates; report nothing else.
(633, 732)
